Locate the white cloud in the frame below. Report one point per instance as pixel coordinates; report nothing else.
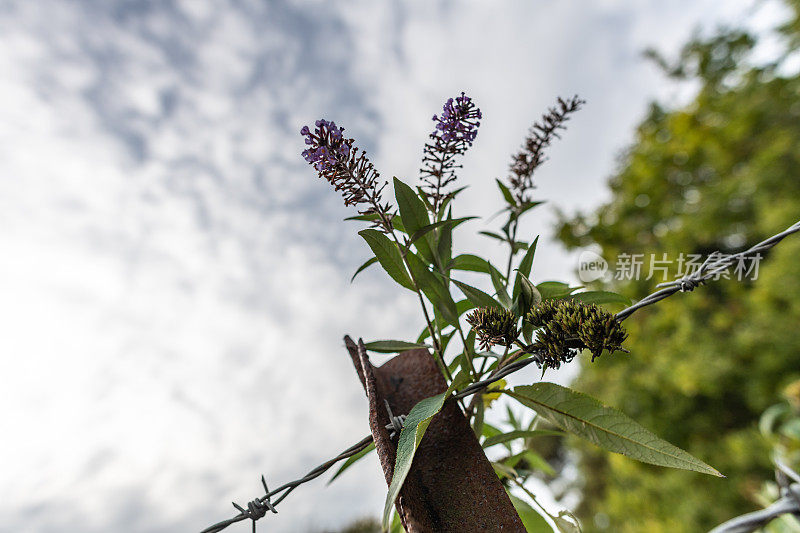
(174, 280)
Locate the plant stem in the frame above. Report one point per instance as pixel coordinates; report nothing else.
(473, 402)
(467, 353)
(438, 355)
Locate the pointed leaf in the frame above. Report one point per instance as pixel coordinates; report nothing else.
(434, 289)
(430, 227)
(449, 198)
(444, 246)
(471, 263)
(533, 521)
(525, 266)
(388, 256)
(364, 267)
(477, 296)
(555, 290)
(397, 223)
(351, 460)
(500, 288)
(417, 422)
(604, 426)
(518, 434)
(392, 346)
(528, 296)
(506, 193)
(525, 207)
(414, 215)
(493, 235)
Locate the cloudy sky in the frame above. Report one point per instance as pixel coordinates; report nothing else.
(173, 278)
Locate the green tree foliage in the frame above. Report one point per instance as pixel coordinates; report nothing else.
(722, 172)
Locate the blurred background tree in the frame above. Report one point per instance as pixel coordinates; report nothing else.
(719, 173)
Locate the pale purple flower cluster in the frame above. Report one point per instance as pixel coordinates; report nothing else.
(347, 168)
(327, 145)
(459, 120)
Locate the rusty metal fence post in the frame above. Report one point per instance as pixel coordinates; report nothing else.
(451, 487)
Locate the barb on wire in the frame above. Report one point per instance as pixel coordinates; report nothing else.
(287, 488)
(395, 425)
(788, 503)
(715, 264)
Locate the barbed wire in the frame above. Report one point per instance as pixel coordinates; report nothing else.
(714, 265)
(788, 503)
(257, 508)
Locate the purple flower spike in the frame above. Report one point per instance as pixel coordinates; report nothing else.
(335, 158)
(458, 121)
(328, 145)
(455, 131)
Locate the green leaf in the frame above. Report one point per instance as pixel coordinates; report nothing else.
(369, 217)
(506, 193)
(424, 230)
(397, 524)
(518, 434)
(424, 197)
(528, 296)
(600, 297)
(525, 267)
(477, 296)
(444, 246)
(520, 245)
(392, 346)
(525, 207)
(555, 290)
(351, 460)
(511, 418)
(471, 263)
(417, 422)
(449, 198)
(493, 235)
(500, 288)
(604, 426)
(388, 256)
(477, 422)
(363, 267)
(434, 288)
(533, 521)
(414, 215)
(372, 217)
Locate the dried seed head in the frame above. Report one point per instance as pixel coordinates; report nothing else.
(601, 332)
(568, 326)
(493, 326)
(531, 155)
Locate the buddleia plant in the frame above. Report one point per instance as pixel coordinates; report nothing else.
(475, 332)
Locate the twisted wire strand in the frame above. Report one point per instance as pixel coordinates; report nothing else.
(713, 265)
(395, 425)
(788, 503)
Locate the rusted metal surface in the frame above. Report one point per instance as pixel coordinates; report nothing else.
(451, 487)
